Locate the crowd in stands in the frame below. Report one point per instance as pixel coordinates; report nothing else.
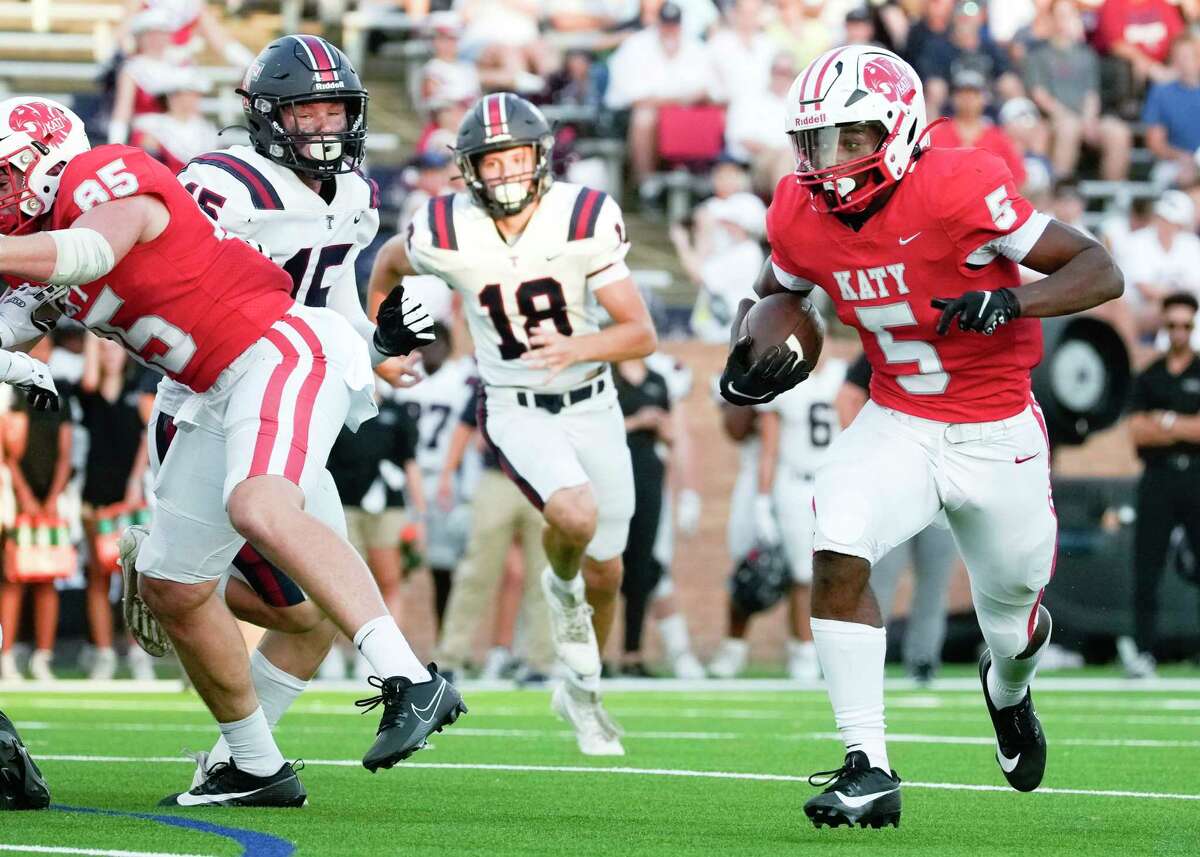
(1093, 104)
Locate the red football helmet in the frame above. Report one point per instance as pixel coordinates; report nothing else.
(38, 137)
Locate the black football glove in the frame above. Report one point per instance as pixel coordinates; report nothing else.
(981, 312)
(777, 371)
(403, 324)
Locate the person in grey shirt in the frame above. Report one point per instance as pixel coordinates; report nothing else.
(1062, 75)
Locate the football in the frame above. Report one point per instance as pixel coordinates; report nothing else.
(789, 318)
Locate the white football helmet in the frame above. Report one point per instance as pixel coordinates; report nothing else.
(830, 110)
(38, 137)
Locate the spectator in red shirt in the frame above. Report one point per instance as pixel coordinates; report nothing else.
(1139, 32)
(970, 128)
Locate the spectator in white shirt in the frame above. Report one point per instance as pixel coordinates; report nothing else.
(725, 272)
(656, 66)
(741, 52)
(754, 127)
(503, 37)
(1159, 259)
(446, 78)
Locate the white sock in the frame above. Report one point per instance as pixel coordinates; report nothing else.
(276, 690)
(851, 657)
(569, 591)
(805, 649)
(675, 637)
(1009, 678)
(382, 643)
(251, 745)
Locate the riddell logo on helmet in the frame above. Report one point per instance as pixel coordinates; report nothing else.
(813, 119)
(884, 76)
(40, 121)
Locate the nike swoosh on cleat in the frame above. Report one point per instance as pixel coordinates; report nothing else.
(189, 799)
(1020, 460)
(860, 800)
(1006, 764)
(428, 709)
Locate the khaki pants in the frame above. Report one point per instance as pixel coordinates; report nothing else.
(500, 514)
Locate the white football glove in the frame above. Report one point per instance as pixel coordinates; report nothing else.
(688, 514)
(32, 376)
(18, 308)
(766, 528)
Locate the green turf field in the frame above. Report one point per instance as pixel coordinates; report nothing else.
(709, 771)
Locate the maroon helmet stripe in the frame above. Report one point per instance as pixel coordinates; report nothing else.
(804, 85)
(493, 115)
(322, 58)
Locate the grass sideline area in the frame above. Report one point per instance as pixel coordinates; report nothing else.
(709, 771)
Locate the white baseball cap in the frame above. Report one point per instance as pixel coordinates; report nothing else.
(1175, 206)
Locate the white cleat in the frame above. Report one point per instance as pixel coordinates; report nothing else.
(686, 666)
(39, 665)
(802, 663)
(9, 671)
(571, 630)
(595, 731)
(104, 665)
(730, 659)
(140, 621)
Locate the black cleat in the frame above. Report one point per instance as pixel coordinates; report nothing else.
(411, 713)
(1020, 741)
(856, 793)
(21, 783)
(225, 785)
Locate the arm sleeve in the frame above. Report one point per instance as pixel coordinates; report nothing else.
(606, 257)
(985, 216)
(859, 373)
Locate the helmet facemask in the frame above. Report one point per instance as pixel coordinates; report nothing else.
(513, 193)
(317, 155)
(842, 164)
(19, 206)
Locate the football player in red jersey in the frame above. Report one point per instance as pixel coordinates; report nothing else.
(919, 248)
(127, 252)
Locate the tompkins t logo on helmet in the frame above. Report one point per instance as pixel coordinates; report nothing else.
(42, 122)
(883, 76)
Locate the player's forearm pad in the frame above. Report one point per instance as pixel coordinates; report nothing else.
(84, 255)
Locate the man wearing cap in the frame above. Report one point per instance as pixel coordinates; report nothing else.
(971, 128)
(1165, 424)
(657, 66)
(182, 132)
(1159, 259)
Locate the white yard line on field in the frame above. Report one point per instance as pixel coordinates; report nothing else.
(649, 772)
(98, 852)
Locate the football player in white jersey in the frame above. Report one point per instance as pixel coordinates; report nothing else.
(435, 405)
(533, 261)
(795, 431)
(298, 194)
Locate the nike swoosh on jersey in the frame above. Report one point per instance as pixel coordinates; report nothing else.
(861, 800)
(1006, 764)
(912, 237)
(1020, 460)
(428, 709)
(189, 799)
